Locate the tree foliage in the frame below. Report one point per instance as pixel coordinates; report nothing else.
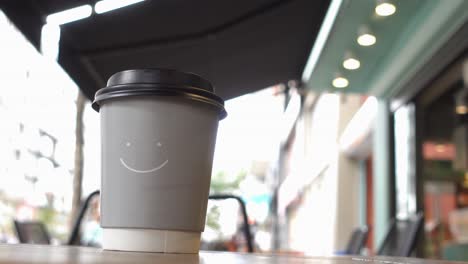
(221, 182)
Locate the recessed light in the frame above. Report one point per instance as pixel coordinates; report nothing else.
(351, 64)
(366, 37)
(440, 148)
(340, 82)
(366, 40)
(350, 61)
(461, 109)
(461, 102)
(385, 8)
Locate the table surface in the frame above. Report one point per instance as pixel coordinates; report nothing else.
(63, 254)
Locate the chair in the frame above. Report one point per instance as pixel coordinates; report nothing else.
(31, 232)
(401, 237)
(35, 232)
(357, 241)
(247, 233)
(74, 237)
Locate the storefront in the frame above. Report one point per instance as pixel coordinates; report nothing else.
(432, 130)
(430, 143)
(413, 48)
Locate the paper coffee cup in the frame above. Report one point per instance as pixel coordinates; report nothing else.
(158, 133)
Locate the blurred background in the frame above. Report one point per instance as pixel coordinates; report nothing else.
(347, 119)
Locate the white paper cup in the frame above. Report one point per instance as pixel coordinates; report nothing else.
(158, 131)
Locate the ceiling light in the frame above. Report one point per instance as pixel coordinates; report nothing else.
(366, 40)
(385, 8)
(350, 62)
(340, 82)
(461, 104)
(461, 109)
(70, 15)
(366, 37)
(440, 148)
(465, 181)
(109, 5)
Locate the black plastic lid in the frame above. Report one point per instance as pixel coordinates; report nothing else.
(163, 82)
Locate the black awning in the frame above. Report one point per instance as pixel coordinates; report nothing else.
(240, 46)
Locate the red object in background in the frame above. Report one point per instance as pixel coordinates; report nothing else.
(437, 207)
(438, 151)
(462, 194)
(370, 205)
(445, 203)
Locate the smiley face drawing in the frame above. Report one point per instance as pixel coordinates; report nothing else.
(129, 147)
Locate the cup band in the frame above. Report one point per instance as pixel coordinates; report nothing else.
(151, 240)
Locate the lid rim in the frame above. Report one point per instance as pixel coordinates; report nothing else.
(127, 91)
(137, 87)
(164, 82)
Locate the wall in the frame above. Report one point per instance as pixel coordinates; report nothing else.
(326, 208)
(349, 177)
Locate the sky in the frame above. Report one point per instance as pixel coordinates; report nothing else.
(250, 132)
(37, 96)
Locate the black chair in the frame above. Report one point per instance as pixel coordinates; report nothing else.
(401, 237)
(32, 232)
(74, 238)
(75, 233)
(246, 229)
(357, 241)
(35, 232)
